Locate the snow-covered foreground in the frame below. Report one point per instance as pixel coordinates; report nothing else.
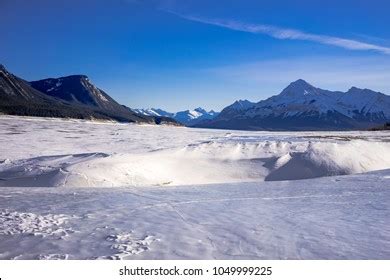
(83, 190)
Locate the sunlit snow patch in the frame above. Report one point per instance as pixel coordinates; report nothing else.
(205, 163)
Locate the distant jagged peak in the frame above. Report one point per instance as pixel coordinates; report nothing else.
(241, 104)
(200, 110)
(356, 90)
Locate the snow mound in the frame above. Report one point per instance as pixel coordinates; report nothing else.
(204, 163)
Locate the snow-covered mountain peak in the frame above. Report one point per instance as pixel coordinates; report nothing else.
(153, 112)
(303, 106)
(300, 83)
(193, 114)
(298, 88)
(187, 117)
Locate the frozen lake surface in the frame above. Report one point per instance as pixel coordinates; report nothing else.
(86, 190)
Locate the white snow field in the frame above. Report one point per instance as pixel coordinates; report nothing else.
(72, 189)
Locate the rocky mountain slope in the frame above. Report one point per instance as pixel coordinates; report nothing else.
(66, 97)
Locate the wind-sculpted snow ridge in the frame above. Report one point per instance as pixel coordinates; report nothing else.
(12, 223)
(211, 162)
(53, 257)
(45, 171)
(126, 245)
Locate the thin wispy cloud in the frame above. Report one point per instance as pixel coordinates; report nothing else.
(289, 34)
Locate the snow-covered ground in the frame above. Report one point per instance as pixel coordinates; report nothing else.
(89, 190)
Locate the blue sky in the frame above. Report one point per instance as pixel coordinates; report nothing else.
(183, 54)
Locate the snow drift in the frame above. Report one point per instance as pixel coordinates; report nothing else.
(204, 163)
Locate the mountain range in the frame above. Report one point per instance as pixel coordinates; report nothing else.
(187, 117)
(66, 97)
(301, 106)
